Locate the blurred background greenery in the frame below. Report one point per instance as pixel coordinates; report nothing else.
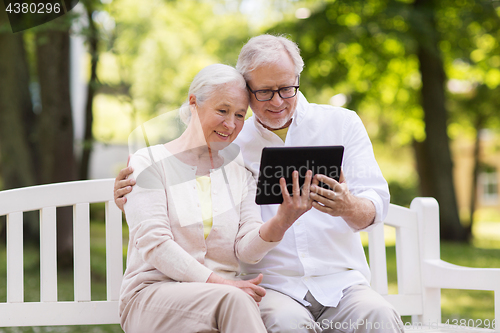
(424, 76)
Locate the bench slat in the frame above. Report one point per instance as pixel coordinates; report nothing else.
(59, 313)
(81, 245)
(38, 197)
(15, 260)
(48, 255)
(407, 259)
(114, 251)
(378, 263)
(398, 216)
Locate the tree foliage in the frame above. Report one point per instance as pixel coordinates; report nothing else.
(392, 59)
(37, 147)
(157, 49)
(144, 55)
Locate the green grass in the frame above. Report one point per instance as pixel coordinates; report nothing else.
(456, 304)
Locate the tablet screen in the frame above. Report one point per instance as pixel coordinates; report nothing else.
(277, 162)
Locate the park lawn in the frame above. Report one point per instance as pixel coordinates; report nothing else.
(456, 305)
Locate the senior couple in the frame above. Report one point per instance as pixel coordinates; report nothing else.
(200, 257)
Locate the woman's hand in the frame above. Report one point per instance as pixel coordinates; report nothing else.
(294, 206)
(290, 210)
(123, 185)
(250, 286)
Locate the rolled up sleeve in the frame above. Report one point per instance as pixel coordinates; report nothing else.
(249, 246)
(363, 175)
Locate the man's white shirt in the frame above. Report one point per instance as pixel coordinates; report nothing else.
(319, 253)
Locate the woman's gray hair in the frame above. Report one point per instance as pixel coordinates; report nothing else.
(267, 49)
(208, 80)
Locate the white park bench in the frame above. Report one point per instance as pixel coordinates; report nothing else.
(420, 273)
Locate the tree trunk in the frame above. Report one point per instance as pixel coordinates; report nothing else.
(88, 139)
(475, 174)
(55, 133)
(423, 169)
(15, 106)
(16, 121)
(436, 150)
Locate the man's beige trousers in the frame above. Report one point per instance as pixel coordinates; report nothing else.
(361, 310)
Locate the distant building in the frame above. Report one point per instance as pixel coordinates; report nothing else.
(488, 185)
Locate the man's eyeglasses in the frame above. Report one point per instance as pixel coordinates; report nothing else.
(268, 94)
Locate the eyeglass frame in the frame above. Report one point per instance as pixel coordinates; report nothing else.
(254, 92)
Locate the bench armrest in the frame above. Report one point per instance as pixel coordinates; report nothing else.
(442, 274)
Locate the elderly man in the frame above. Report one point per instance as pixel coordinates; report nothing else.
(317, 278)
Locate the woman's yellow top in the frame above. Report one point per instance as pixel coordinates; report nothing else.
(203, 186)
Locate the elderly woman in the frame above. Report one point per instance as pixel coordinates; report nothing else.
(192, 216)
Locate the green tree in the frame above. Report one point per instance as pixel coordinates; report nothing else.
(155, 50)
(391, 58)
(433, 156)
(470, 42)
(38, 148)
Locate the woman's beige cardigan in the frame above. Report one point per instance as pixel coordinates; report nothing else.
(166, 241)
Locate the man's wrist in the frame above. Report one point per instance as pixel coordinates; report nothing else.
(361, 213)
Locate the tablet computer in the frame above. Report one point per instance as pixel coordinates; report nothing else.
(277, 162)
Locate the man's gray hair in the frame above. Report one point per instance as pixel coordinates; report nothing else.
(208, 80)
(267, 49)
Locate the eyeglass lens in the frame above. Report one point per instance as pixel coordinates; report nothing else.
(285, 92)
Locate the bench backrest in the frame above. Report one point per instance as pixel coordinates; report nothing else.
(49, 311)
(83, 310)
(408, 300)
(417, 244)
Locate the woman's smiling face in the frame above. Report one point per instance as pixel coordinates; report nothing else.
(222, 115)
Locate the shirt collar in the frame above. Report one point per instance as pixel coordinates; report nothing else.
(301, 110)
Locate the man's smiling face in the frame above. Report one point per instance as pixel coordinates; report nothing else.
(276, 113)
